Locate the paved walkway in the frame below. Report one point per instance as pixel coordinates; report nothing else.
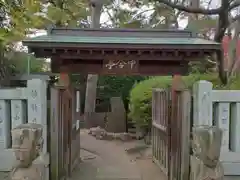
(108, 160)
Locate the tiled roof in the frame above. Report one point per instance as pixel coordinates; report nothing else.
(68, 39)
(82, 37)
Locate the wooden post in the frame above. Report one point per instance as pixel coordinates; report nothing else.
(64, 80)
(55, 138)
(173, 139)
(185, 135)
(180, 127)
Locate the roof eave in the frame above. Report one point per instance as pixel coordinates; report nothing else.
(38, 44)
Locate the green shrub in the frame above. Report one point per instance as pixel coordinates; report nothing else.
(140, 102)
(140, 99)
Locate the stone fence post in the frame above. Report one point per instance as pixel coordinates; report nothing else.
(27, 144)
(206, 145)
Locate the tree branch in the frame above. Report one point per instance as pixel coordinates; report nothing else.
(52, 2)
(209, 3)
(235, 18)
(234, 5)
(191, 9)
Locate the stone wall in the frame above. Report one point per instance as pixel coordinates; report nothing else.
(114, 121)
(94, 119)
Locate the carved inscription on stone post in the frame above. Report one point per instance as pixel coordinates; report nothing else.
(34, 95)
(37, 104)
(18, 112)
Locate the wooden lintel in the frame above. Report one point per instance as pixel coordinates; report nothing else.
(163, 57)
(142, 69)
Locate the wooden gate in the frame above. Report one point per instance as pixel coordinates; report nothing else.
(171, 132)
(65, 132)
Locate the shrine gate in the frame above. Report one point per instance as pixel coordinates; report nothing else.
(118, 52)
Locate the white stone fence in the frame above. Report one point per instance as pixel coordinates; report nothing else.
(18, 106)
(220, 108)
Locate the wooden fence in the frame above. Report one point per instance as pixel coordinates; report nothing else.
(65, 132)
(220, 108)
(171, 132)
(160, 129)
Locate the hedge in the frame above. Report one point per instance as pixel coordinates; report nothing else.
(140, 105)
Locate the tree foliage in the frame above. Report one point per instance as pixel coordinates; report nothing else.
(20, 61)
(71, 13)
(140, 104)
(211, 21)
(17, 18)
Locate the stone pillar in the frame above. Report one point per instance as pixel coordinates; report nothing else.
(206, 145)
(27, 144)
(37, 105)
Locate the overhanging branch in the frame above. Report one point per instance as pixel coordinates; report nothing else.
(191, 9)
(234, 5)
(235, 18)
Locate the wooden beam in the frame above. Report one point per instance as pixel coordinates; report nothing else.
(157, 57)
(142, 70)
(110, 53)
(38, 47)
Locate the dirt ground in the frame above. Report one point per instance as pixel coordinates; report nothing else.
(4, 175)
(114, 160)
(111, 160)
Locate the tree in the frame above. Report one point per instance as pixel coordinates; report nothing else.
(232, 51)
(92, 79)
(19, 62)
(71, 13)
(224, 20)
(16, 19)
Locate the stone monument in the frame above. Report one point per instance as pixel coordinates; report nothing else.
(206, 146)
(27, 143)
